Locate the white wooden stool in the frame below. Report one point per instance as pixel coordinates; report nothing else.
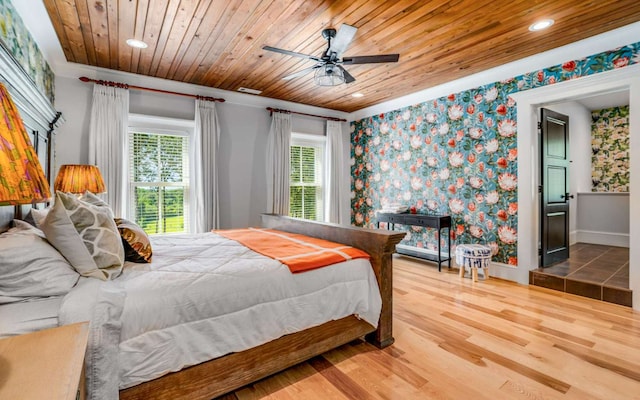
(474, 257)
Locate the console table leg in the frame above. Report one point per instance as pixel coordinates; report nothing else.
(439, 253)
(449, 247)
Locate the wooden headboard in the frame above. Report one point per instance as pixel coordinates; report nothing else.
(38, 115)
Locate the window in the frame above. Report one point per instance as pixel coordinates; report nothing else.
(306, 192)
(159, 180)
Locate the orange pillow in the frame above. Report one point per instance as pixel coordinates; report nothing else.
(136, 243)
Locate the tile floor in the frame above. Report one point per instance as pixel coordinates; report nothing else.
(595, 271)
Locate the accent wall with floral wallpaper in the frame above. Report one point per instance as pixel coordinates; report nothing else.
(456, 155)
(18, 41)
(610, 149)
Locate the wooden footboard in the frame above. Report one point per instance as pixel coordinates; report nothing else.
(379, 244)
(222, 375)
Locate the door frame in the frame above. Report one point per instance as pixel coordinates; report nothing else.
(528, 102)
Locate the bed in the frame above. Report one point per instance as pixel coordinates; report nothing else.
(259, 353)
(202, 371)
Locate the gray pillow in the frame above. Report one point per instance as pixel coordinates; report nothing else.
(31, 267)
(86, 236)
(91, 198)
(37, 216)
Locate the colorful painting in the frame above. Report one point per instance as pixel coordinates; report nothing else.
(18, 41)
(610, 150)
(456, 155)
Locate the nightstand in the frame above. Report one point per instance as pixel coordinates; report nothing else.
(47, 364)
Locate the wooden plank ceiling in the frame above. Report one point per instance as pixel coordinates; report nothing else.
(218, 43)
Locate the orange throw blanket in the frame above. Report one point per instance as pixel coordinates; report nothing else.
(299, 252)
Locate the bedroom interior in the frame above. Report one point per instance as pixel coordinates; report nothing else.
(444, 133)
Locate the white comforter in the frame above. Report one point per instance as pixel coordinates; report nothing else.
(205, 296)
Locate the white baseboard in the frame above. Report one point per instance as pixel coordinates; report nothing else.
(421, 250)
(497, 270)
(506, 272)
(604, 238)
(573, 237)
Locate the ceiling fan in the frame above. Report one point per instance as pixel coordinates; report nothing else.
(328, 68)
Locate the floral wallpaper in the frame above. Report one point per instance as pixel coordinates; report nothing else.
(610, 150)
(18, 41)
(456, 155)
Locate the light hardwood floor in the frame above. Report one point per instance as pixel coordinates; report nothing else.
(487, 340)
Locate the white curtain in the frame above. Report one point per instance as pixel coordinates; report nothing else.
(204, 155)
(334, 209)
(107, 141)
(278, 174)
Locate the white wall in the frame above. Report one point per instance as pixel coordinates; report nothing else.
(72, 142)
(243, 142)
(243, 190)
(579, 144)
(603, 218)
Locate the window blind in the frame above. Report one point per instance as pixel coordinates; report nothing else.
(159, 181)
(305, 186)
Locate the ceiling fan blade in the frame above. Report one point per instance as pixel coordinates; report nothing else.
(348, 78)
(301, 72)
(382, 58)
(342, 40)
(290, 53)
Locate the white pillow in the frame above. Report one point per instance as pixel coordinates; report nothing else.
(31, 267)
(86, 236)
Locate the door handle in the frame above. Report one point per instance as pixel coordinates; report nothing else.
(566, 196)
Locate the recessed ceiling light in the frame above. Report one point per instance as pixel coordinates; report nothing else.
(540, 25)
(138, 44)
(357, 95)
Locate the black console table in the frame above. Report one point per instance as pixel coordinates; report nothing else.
(430, 221)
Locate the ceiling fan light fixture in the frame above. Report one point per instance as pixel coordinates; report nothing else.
(329, 75)
(328, 68)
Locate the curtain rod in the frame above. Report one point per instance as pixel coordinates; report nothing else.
(127, 86)
(272, 110)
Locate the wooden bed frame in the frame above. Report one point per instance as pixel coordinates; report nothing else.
(225, 374)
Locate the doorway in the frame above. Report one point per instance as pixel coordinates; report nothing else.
(528, 103)
(598, 263)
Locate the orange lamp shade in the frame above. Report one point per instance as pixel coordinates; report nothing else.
(22, 180)
(73, 178)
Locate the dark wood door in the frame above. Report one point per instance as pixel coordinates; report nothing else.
(554, 176)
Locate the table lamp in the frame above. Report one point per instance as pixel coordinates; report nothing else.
(75, 178)
(22, 180)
